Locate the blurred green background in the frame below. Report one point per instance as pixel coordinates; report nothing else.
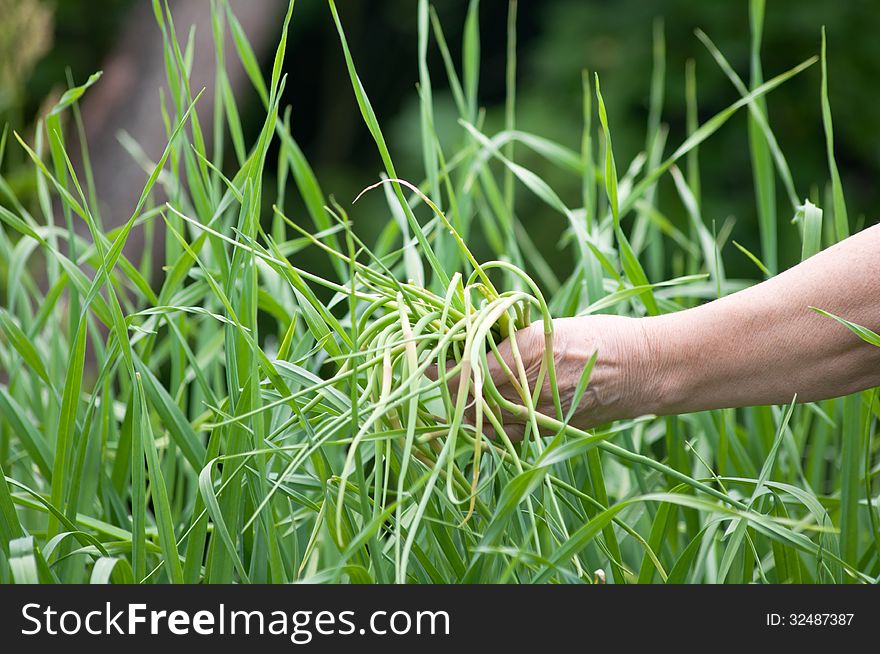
(557, 39)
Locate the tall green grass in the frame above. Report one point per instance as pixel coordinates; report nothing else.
(246, 420)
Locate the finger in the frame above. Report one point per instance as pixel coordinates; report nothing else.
(432, 372)
(470, 418)
(515, 431)
(494, 367)
(529, 344)
(486, 427)
(512, 426)
(452, 380)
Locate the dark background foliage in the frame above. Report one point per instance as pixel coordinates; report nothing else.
(557, 40)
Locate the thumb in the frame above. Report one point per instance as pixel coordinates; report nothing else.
(452, 380)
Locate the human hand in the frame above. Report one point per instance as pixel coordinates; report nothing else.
(621, 354)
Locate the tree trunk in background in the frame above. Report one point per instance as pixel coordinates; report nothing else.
(127, 96)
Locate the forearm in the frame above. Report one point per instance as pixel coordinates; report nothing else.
(763, 345)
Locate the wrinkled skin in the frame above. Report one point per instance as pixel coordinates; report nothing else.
(575, 340)
(759, 346)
